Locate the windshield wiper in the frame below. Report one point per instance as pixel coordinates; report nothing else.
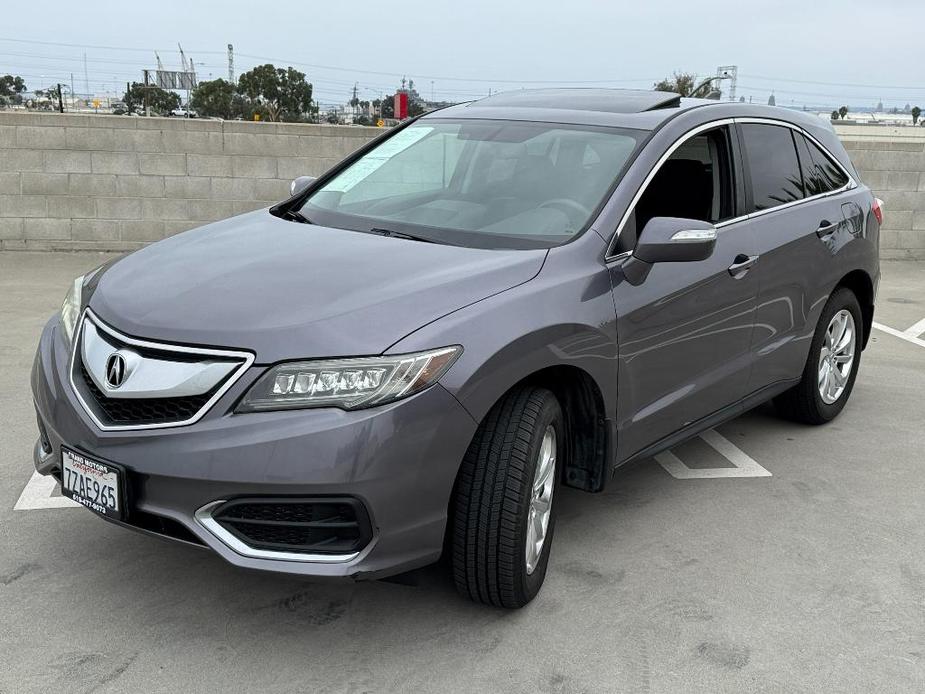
(399, 235)
(297, 216)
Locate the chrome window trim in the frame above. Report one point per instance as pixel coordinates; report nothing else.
(247, 359)
(851, 184)
(204, 518)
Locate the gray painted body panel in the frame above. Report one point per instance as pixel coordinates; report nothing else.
(400, 460)
(685, 339)
(293, 291)
(688, 345)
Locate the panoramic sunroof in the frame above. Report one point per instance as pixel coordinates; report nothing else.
(604, 100)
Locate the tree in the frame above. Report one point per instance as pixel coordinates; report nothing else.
(160, 100)
(214, 98)
(283, 93)
(384, 107)
(916, 112)
(835, 115)
(843, 112)
(11, 89)
(688, 84)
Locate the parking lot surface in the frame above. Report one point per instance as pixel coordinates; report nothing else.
(763, 557)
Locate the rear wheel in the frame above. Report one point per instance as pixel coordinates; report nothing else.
(832, 366)
(504, 510)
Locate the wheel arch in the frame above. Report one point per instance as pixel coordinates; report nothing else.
(860, 283)
(589, 436)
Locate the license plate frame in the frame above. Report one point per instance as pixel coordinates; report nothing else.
(75, 464)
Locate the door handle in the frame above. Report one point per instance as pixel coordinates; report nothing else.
(741, 265)
(826, 228)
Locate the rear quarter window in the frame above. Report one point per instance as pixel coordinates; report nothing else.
(820, 173)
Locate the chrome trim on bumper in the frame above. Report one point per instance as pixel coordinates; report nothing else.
(204, 518)
(246, 358)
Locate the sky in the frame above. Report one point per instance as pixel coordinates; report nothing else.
(820, 53)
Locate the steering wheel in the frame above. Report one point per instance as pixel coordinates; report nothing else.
(574, 210)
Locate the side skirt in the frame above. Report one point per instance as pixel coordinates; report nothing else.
(719, 417)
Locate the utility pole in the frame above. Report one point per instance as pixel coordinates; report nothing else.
(86, 77)
(147, 110)
(73, 94)
(189, 92)
(231, 63)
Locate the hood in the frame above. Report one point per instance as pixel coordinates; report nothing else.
(287, 290)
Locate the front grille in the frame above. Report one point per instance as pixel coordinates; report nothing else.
(170, 376)
(143, 411)
(315, 526)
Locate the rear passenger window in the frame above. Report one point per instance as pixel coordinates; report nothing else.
(820, 173)
(773, 165)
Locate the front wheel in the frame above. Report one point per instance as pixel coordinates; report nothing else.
(504, 511)
(832, 366)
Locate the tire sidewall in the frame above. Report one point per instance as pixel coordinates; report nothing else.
(842, 299)
(550, 414)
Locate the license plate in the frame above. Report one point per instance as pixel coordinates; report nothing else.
(92, 483)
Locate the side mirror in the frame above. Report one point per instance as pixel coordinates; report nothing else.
(669, 240)
(299, 184)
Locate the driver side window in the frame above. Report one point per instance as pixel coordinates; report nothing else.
(695, 182)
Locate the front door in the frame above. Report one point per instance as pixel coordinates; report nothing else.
(685, 331)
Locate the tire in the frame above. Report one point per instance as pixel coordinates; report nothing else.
(492, 499)
(805, 401)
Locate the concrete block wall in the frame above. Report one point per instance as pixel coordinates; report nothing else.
(71, 182)
(891, 160)
(115, 183)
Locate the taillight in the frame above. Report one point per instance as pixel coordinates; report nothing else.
(878, 210)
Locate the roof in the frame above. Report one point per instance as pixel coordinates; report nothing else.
(626, 108)
(601, 100)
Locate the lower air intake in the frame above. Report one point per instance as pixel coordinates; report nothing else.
(325, 525)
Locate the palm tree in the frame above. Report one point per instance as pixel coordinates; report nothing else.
(687, 84)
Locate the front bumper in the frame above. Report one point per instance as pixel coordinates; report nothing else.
(399, 460)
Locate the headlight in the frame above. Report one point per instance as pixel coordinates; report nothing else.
(348, 383)
(70, 309)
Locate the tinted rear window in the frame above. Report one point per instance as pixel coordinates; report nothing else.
(820, 173)
(773, 165)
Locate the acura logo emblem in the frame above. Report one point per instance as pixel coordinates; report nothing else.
(115, 370)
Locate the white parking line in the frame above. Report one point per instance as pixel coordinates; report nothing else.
(899, 333)
(38, 494)
(916, 330)
(745, 466)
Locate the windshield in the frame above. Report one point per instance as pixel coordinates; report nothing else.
(489, 184)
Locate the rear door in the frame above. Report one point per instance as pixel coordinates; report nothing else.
(799, 221)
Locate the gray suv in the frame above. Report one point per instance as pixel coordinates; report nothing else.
(409, 356)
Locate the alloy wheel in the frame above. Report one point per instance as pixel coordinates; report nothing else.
(837, 356)
(544, 484)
